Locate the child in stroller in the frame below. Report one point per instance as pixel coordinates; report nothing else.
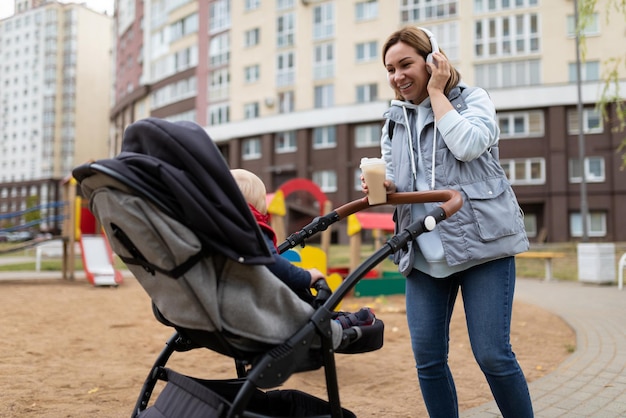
(298, 279)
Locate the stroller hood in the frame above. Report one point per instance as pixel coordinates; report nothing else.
(182, 170)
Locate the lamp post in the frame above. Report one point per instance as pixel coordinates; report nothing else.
(581, 136)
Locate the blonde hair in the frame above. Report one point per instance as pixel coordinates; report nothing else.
(252, 188)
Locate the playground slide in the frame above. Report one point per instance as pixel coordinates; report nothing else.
(98, 261)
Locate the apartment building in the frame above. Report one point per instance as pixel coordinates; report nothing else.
(297, 88)
(55, 78)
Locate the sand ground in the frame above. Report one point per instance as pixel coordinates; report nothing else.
(73, 350)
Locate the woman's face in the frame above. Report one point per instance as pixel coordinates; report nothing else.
(407, 72)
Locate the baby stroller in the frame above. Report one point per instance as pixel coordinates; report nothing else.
(174, 215)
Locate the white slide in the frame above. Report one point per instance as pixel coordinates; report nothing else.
(97, 261)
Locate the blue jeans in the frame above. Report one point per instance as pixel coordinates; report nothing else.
(487, 292)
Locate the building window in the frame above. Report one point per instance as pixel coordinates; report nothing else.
(416, 11)
(219, 50)
(323, 61)
(252, 37)
(219, 83)
(324, 96)
(252, 73)
(219, 16)
(594, 170)
(251, 110)
(508, 74)
(286, 28)
(219, 114)
(323, 21)
(366, 51)
(521, 124)
(525, 171)
(592, 26)
(285, 69)
(592, 121)
(367, 135)
(596, 224)
(325, 137)
(183, 27)
(252, 5)
(530, 224)
(366, 10)
(286, 102)
(366, 93)
(251, 149)
(326, 180)
(483, 6)
(506, 36)
(285, 142)
(589, 71)
(285, 4)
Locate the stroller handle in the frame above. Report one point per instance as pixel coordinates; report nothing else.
(452, 202)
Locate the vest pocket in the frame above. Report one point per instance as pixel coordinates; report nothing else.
(494, 208)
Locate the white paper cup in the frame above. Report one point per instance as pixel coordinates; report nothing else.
(373, 170)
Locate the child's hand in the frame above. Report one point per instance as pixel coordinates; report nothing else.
(315, 275)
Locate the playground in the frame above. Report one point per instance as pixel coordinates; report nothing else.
(80, 348)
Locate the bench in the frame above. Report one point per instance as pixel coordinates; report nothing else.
(548, 256)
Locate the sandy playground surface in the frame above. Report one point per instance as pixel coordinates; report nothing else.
(72, 350)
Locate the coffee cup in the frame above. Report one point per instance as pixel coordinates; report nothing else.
(373, 170)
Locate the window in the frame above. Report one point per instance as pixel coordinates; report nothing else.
(326, 180)
(522, 172)
(366, 93)
(251, 110)
(219, 50)
(219, 114)
(506, 36)
(284, 4)
(219, 16)
(366, 10)
(251, 149)
(508, 74)
(325, 137)
(589, 71)
(323, 61)
(520, 124)
(218, 84)
(418, 11)
(483, 6)
(252, 73)
(285, 69)
(183, 27)
(286, 102)
(367, 135)
(592, 26)
(252, 37)
(530, 224)
(252, 5)
(366, 51)
(323, 21)
(285, 31)
(592, 121)
(285, 142)
(596, 224)
(594, 170)
(324, 96)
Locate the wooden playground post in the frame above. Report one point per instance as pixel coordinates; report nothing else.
(326, 235)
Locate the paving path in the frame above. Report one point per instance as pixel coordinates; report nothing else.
(592, 381)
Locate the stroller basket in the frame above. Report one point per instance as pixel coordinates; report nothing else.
(174, 214)
(189, 397)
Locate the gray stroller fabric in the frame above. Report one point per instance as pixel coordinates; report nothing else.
(214, 294)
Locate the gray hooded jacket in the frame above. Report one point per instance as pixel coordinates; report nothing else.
(462, 155)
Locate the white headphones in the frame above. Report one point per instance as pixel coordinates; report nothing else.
(433, 46)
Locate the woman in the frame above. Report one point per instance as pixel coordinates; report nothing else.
(443, 134)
